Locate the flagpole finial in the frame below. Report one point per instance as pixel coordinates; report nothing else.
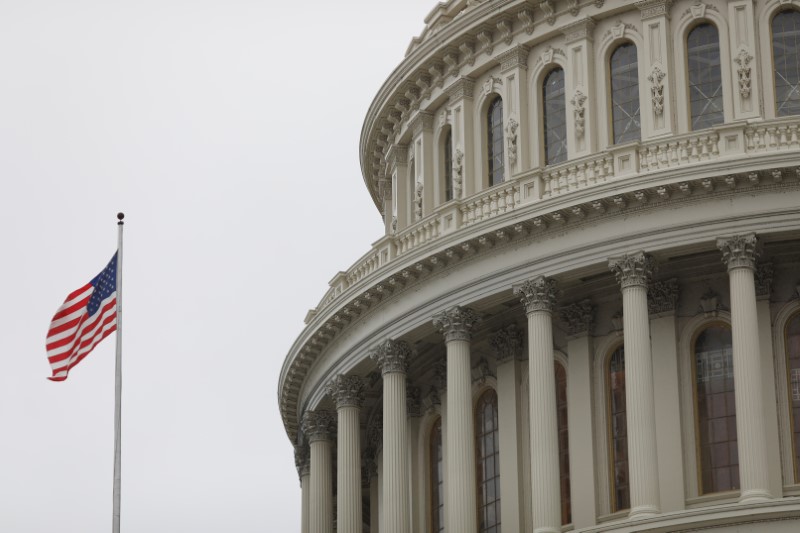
(120, 217)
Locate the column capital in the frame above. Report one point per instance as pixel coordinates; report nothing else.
(319, 425)
(302, 460)
(739, 251)
(507, 343)
(537, 294)
(654, 8)
(633, 270)
(456, 323)
(578, 317)
(346, 391)
(391, 356)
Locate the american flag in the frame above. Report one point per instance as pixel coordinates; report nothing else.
(86, 317)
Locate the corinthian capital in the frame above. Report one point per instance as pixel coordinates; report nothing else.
(537, 294)
(633, 270)
(456, 323)
(739, 251)
(346, 391)
(391, 356)
(319, 425)
(507, 343)
(302, 460)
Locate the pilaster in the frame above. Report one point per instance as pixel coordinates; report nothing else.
(580, 88)
(423, 146)
(745, 69)
(633, 273)
(397, 158)
(461, 107)
(514, 71)
(739, 253)
(656, 61)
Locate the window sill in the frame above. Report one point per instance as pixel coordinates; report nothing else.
(717, 498)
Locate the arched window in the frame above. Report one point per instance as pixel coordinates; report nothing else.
(494, 127)
(705, 76)
(625, 94)
(618, 431)
(487, 448)
(448, 166)
(563, 443)
(436, 477)
(793, 375)
(785, 43)
(716, 410)
(555, 117)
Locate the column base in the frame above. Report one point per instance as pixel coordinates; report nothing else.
(755, 496)
(643, 511)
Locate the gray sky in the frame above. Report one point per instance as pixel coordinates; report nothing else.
(228, 132)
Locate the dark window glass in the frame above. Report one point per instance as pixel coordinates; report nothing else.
(620, 491)
(487, 448)
(705, 77)
(716, 410)
(436, 478)
(625, 94)
(555, 118)
(793, 369)
(785, 43)
(495, 141)
(563, 443)
(448, 166)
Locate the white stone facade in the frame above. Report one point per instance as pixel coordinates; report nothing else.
(661, 275)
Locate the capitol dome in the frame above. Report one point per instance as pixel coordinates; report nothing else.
(584, 312)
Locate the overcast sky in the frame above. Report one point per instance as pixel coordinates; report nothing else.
(227, 131)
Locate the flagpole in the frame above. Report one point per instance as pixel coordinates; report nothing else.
(118, 384)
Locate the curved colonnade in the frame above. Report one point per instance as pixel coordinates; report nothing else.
(584, 313)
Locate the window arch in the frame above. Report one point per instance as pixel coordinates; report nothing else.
(494, 128)
(618, 430)
(625, 111)
(447, 152)
(785, 43)
(563, 442)
(715, 405)
(705, 76)
(487, 449)
(555, 117)
(436, 476)
(792, 343)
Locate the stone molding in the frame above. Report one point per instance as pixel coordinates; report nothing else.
(319, 425)
(654, 8)
(391, 356)
(576, 31)
(516, 57)
(422, 121)
(507, 343)
(456, 323)
(346, 391)
(461, 88)
(764, 275)
(579, 317)
(662, 296)
(413, 401)
(537, 294)
(633, 270)
(739, 251)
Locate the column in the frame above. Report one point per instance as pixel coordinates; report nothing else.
(507, 345)
(392, 358)
(633, 272)
(739, 253)
(579, 318)
(348, 394)
(656, 98)
(417, 483)
(456, 324)
(662, 299)
(318, 427)
(745, 69)
(302, 462)
(538, 296)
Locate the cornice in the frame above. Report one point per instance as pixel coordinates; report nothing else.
(533, 221)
